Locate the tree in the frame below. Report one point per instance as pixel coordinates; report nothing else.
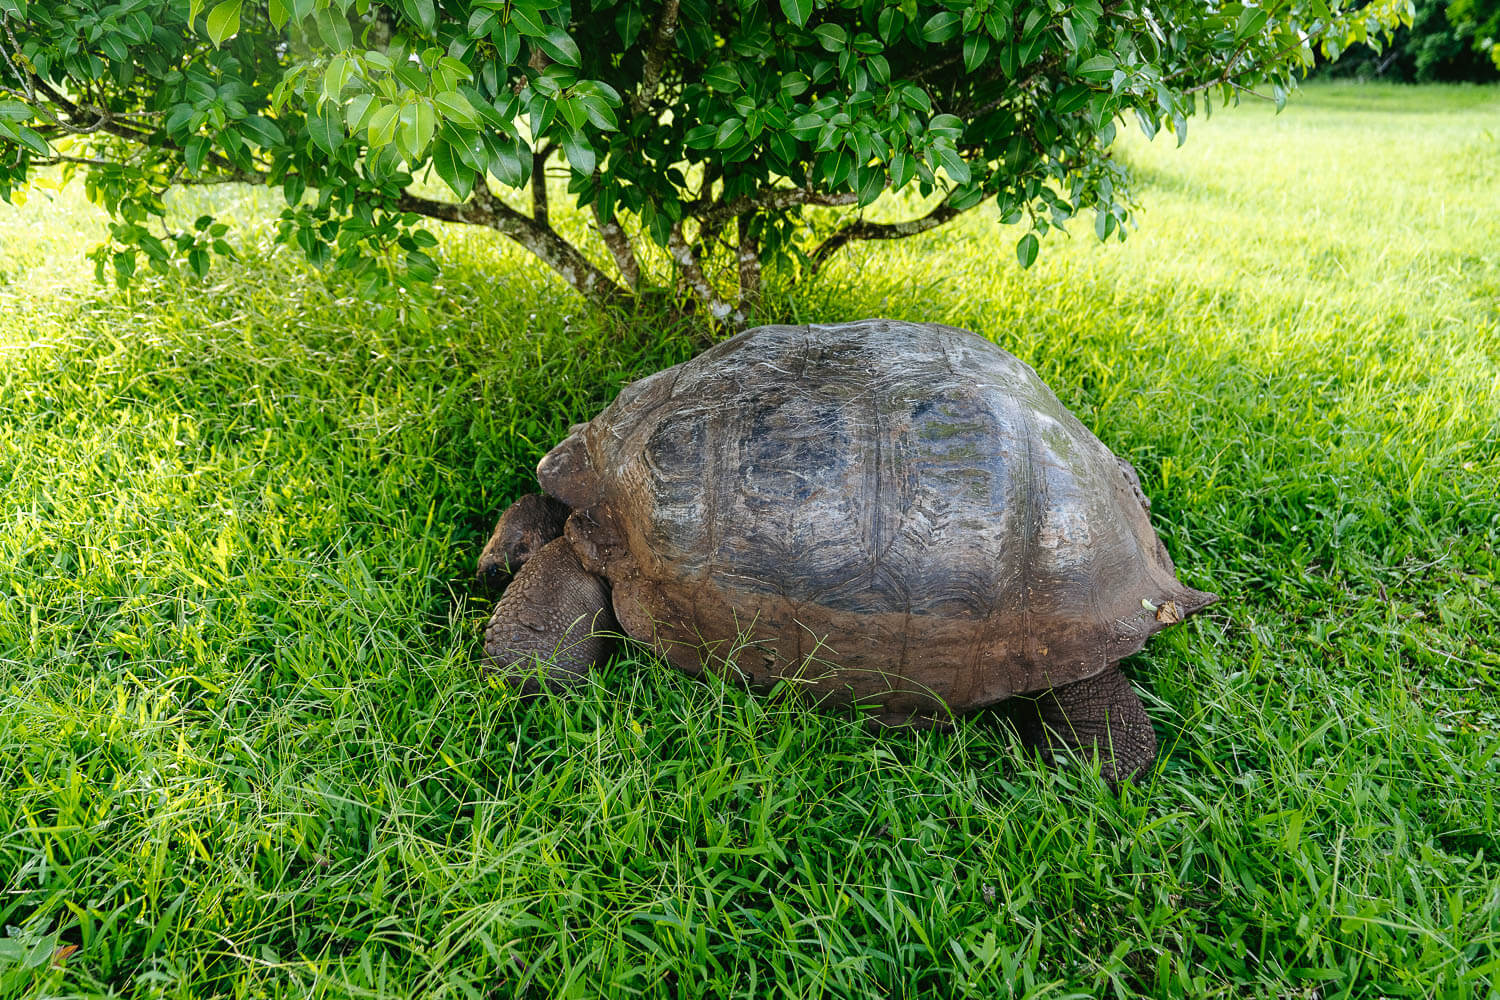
(705, 128)
(1479, 20)
(1438, 45)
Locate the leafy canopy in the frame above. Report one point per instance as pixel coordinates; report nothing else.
(695, 125)
(1479, 20)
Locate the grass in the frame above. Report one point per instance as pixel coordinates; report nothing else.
(244, 751)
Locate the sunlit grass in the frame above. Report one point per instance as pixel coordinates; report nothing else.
(243, 751)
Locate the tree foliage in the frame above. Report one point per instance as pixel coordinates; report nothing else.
(1442, 43)
(1478, 20)
(701, 127)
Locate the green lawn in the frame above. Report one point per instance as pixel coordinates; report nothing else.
(244, 751)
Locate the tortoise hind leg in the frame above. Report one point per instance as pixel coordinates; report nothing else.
(1101, 713)
(552, 625)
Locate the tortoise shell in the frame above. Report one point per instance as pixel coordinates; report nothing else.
(898, 514)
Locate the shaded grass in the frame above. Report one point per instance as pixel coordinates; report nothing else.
(243, 751)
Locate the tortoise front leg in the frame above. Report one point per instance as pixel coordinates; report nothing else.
(1101, 714)
(553, 623)
(527, 525)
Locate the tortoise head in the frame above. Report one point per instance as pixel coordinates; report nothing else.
(567, 471)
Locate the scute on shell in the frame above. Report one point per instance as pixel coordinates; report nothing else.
(899, 514)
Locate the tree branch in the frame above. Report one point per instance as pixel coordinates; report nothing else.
(666, 28)
(772, 199)
(13, 59)
(539, 184)
(1228, 69)
(862, 230)
(53, 161)
(484, 209)
(748, 252)
(87, 119)
(620, 247)
(692, 273)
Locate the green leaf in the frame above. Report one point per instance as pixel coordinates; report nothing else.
(424, 12)
(966, 197)
(1104, 224)
(124, 262)
(903, 168)
(600, 114)
(950, 161)
(508, 41)
(527, 19)
(326, 128)
(1070, 99)
(265, 132)
(950, 126)
(1149, 122)
(33, 141)
(482, 21)
(233, 145)
(731, 131)
(418, 124)
(421, 266)
(1252, 20)
(456, 108)
(194, 152)
(837, 167)
(573, 112)
(224, 21)
(700, 137)
(452, 170)
(610, 95)
(831, 36)
(357, 112)
(1069, 35)
(723, 77)
(115, 48)
(579, 153)
(806, 127)
(333, 27)
(279, 13)
(942, 26)
(797, 11)
(336, 77)
(1026, 249)
(510, 164)
(469, 148)
(1097, 68)
(382, 128)
(629, 22)
(976, 49)
(560, 46)
(454, 71)
(199, 261)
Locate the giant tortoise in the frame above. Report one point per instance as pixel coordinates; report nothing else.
(898, 515)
